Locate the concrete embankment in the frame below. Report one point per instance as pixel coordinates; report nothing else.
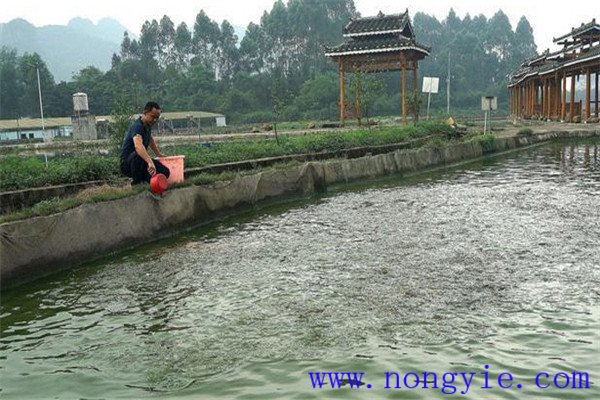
(39, 246)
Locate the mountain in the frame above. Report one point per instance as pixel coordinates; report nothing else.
(66, 49)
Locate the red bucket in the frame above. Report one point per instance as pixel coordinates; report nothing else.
(158, 184)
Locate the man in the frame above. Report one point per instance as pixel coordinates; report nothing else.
(136, 163)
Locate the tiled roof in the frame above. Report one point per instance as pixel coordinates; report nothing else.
(584, 28)
(529, 69)
(379, 23)
(377, 44)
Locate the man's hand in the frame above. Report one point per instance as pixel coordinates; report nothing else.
(151, 168)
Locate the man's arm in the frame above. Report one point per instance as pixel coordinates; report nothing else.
(155, 148)
(141, 151)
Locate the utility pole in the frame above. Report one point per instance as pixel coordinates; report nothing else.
(40, 95)
(448, 86)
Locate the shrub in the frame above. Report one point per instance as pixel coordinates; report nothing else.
(525, 132)
(486, 140)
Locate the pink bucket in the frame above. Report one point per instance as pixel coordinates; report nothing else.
(175, 165)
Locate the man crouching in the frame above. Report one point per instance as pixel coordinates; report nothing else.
(136, 163)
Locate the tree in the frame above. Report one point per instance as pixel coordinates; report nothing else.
(413, 104)
(28, 68)
(10, 83)
(205, 40)
(166, 42)
(121, 113)
(525, 47)
(253, 49)
(368, 87)
(227, 54)
(183, 47)
(149, 41)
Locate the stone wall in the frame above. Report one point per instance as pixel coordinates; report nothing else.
(39, 246)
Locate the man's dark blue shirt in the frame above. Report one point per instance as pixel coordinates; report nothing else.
(137, 128)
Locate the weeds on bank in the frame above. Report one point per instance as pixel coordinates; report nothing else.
(525, 132)
(17, 172)
(106, 192)
(58, 204)
(486, 140)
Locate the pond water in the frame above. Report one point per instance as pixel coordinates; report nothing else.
(494, 263)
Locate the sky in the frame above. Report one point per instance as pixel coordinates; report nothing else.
(547, 20)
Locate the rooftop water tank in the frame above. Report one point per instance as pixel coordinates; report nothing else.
(80, 103)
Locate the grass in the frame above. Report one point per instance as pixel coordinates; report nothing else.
(17, 172)
(525, 132)
(58, 204)
(107, 192)
(486, 140)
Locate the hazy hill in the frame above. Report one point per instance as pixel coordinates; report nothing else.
(66, 49)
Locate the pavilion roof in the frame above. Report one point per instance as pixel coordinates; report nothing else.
(378, 34)
(552, 62)
(379, 24)
(585, 29)
(387, 43)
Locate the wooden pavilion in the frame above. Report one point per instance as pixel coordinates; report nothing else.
(378, 44)
(539, 88)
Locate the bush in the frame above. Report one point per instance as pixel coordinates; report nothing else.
(122, 114)
(486, 140)
(525, 132)
(20, 172)
(257, 117)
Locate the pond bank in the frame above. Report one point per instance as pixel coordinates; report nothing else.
(40, 246)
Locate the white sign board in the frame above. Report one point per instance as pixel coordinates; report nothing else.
(221, 121)
(489, 103)
(430, 85)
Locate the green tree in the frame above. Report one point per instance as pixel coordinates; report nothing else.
(413, 104)
(525, 47)
(183, 47)
(10, 84)
(149, 41)
(29, 64)
(205, 41)
(227, 54)
(166, 42)
(121, 113)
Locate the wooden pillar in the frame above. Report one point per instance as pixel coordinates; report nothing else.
(511, 102)
(533, 97)
(544, 97)
(536, 94)
(588, 96)
(518, 91)
(564, 97)
(557, 95)
(521, 100)
(572, 105)
(342, 94)
(415, 78)
(527, 98)
(403, 87)
(596, 90)
(357, 97)
(550, 98)
(415, 83)
(596, 97)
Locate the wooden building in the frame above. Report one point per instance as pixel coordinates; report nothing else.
(544, 87)
(378, 44)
